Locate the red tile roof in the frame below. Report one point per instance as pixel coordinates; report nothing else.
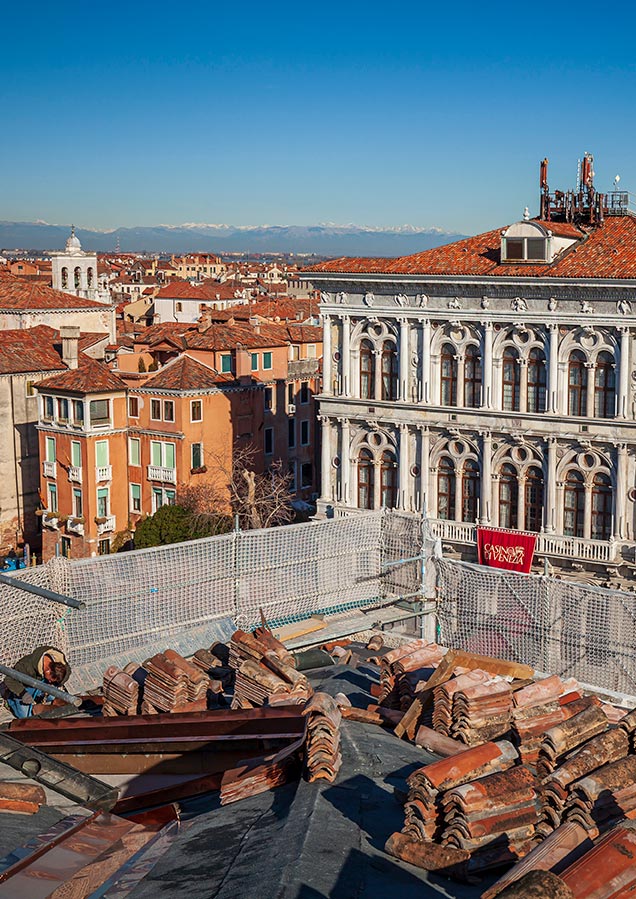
(20, 294)
(185, 373)
(607, 251)
(208, 292)
(90, 376)
(30, 350)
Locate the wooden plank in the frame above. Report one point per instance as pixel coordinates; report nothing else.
(299, 628)
(337, 628)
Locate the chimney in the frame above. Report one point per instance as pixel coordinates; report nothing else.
(70, 335)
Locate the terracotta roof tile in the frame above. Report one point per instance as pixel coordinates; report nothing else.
(90, 376)
(19, 293)
(30, 350)
(607, 251)
(185, 373)
(208, 292)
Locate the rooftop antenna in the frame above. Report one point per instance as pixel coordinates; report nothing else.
(617, 178)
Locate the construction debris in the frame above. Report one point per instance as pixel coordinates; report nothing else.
(21, 798)
(265, 672)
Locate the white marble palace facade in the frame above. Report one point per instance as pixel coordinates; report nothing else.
(495, 393)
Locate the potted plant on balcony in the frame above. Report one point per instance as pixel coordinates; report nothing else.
(101, 519)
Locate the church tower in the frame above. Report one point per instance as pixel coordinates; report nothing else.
(75, 271)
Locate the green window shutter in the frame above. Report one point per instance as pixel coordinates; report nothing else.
(169, 455)
(76, 454)
(155, 453)
(50, 449)
(101, 453)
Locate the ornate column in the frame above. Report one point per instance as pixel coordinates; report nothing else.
(403, 467)
(553, 354)
(591, 380)
(486, 497)
(345, 460)
(326, 490)
(550, 523)
(487, 398)
(521, 503)
(623, 382)
(377, 485)
(620, 523)
(425, 443)
(460, 379)
(587, 513)
(345, 362)
(404, 359)
(459, 493)
(326, 355)
(426, 361)
(523, 385)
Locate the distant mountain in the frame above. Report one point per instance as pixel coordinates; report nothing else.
(320, 240)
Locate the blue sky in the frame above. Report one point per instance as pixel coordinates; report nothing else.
(426, 114)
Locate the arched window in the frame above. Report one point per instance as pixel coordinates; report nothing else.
(367, 370)
(77, 277)
(511, 377)
(536, 380)
(533, 500)
(601, 507)
(574, 504)
(577, 384)
(89, 276)
(446, 489)
(508, 496)
(449, 376)
(470, 490)
(388, 481)
(472, 377)
(64, 277)
(604, 386)
(389, 371)
(365, 479)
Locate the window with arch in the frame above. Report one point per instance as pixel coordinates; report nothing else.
(64, 276)
(574, 504)
(536, 380)
(389, 371)
(367, 370)
(577, 384)
(533, 499)
(365, 479)
(508, 497)
(448, 368)
(77, 277)
(511, 379)
(446, 489)
(472, 377)
(470, 490)
(89, 276)
(601, 507)
(388, 480)
(605, 386)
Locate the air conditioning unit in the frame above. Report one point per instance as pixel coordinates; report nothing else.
(291, 408)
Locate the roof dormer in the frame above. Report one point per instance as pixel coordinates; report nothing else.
(534, 242)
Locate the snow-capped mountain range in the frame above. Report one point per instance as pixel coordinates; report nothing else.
(326, 239)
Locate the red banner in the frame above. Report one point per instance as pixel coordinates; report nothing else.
(501, 548)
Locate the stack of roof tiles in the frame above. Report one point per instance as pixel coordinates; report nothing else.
(482, 711)
(173, 684)
(322, 751)
(483, 811)
(558, 786)
(121, 693)
(265, 672)
(423, 810)
(562, 738)
(540, 706)
(443, 697)
(403, 668)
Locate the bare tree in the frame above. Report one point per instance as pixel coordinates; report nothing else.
(261, 500)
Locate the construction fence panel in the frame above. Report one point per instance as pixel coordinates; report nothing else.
(28, 620)
(557, 626)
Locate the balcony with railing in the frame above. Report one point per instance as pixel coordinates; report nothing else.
(104, 525)
(75, 526)
(164, 475)
(104, 472)
(49, 469)
(547, 544)
(75, 474)
(50, 520)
